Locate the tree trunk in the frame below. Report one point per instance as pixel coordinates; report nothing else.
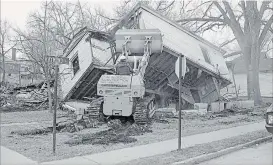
(249, 82)
(247, 56)
(4, 69)
(256, 86)
(49, 95)
(251, 55)
(255, 58)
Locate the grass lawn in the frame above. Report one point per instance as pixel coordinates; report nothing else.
(27, 116)
(39, 147)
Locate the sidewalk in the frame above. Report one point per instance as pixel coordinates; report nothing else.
(128, 154)
(9, 157)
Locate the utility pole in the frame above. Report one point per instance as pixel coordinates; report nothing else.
(57, 61)
(180, 102)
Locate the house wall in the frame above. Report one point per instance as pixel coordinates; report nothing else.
(101, 50)
(266, 65)
(68, 79)
(182, 42)
(207, 91)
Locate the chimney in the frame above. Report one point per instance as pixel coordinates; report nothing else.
(13, 51)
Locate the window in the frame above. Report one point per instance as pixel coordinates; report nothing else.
(205, 54)
(75, 64)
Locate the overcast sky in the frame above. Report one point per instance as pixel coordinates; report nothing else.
(16, 12)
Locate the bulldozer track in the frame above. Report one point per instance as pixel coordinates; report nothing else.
(142, 110)
(95, 110)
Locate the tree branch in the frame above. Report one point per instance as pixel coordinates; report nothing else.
(227, 42)
(265, 29)
(232, 54)
(263, 8)
(166, 7)
(213, 19)
(232, 17)
(222, 12)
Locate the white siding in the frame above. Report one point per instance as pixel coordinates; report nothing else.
(101, 50)
(183, 43)
(68, 79)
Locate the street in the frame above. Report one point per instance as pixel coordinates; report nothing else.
(261, 154)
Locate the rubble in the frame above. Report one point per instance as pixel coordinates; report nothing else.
(23, 98)
(164, 113)
(117, 133)
(35, 131)
(69, 125)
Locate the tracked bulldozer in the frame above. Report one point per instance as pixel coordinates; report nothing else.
(125, 95)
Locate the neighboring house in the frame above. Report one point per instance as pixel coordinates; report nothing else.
(11, 71)
(266, 64)
(19, 72)
(30, 73)
(236, 65)
(91, 55)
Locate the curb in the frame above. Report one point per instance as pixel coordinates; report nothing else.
(213, 155)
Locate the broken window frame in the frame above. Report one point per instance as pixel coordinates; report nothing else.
(75, 69)
(205, 54)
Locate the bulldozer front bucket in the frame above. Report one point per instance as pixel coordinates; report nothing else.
(136, 39)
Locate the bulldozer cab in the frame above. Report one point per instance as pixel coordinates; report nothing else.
(124, 68)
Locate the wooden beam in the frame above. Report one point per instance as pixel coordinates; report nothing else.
(70, 93)
(159, 93)
(92, 93)
(217, 86)
(171, 70)
(88, 79)
(186, 94)
(193, 63)
(91, 87)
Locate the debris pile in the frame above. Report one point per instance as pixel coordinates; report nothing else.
(36, 131)
(32, 97)
(5, 96)
(67, 123)
(74, 125)
(117, 133)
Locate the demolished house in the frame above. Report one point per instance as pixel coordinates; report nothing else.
(92, 54)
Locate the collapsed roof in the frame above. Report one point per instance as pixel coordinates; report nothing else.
(206, 65)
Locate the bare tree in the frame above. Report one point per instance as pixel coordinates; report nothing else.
(6, 44)
(49, 31)
(250, 22)
(37, 43)
(164, 7)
